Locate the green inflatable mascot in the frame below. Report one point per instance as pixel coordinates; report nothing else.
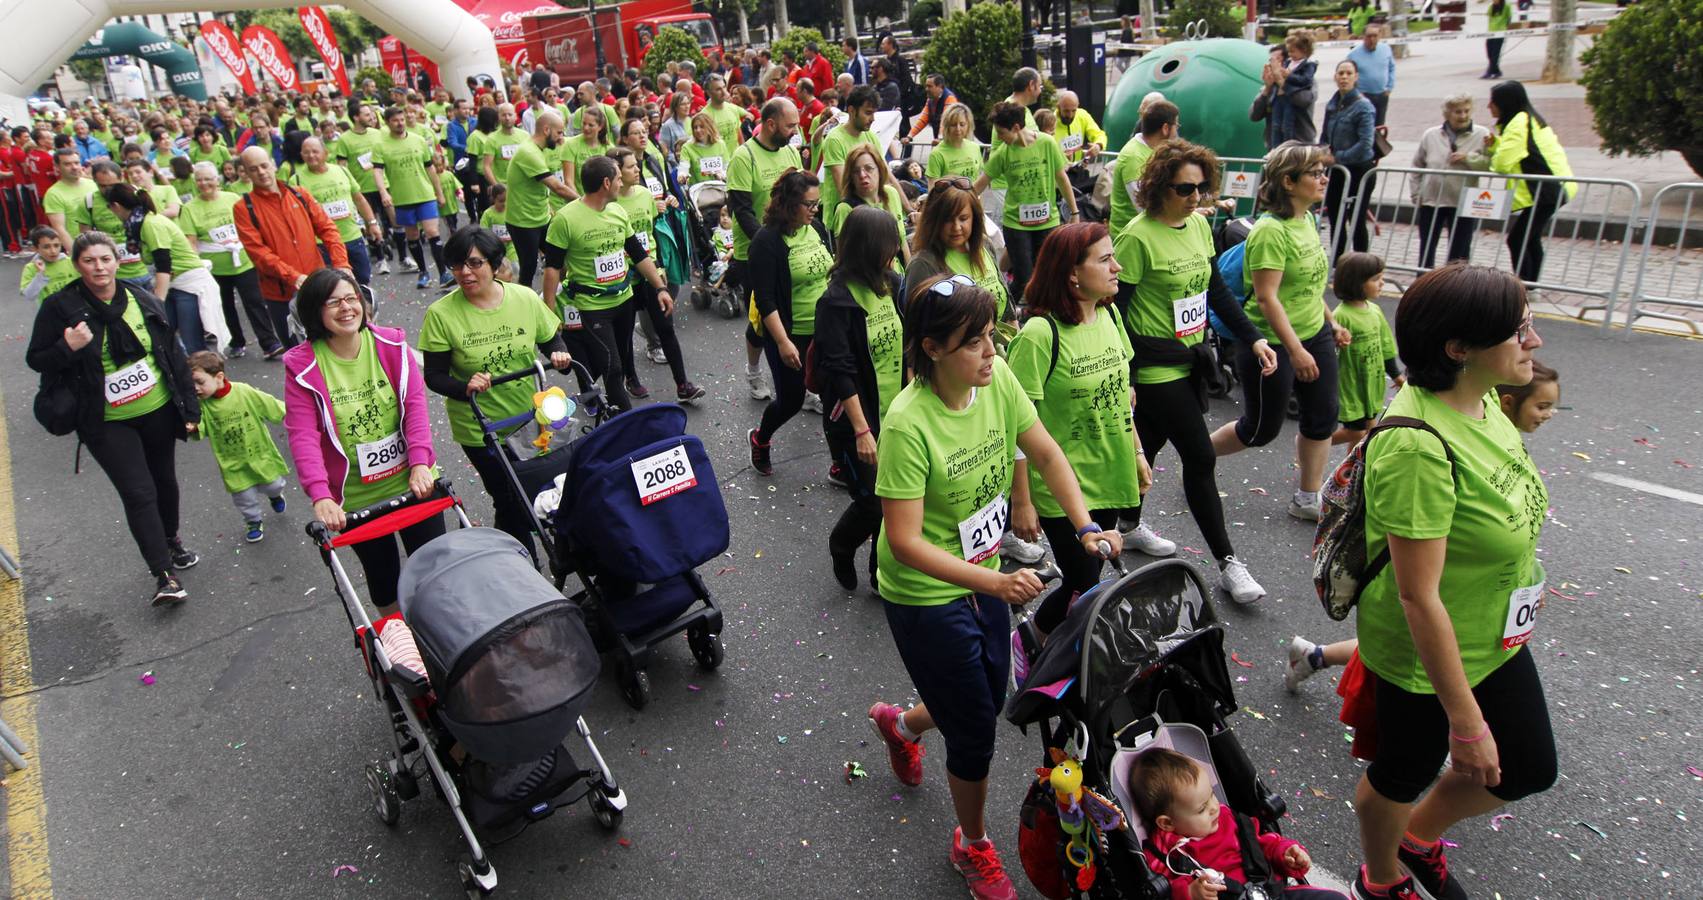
(1212, 82)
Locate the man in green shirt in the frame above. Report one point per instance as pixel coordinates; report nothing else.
(1026, 92)
(860, 107)
(533, 175)
(343, 202)
(63, 201)
(1032, 167)
(726, 116)
(1159, 123)
(408, 187)
(755, 167)
(355, 151)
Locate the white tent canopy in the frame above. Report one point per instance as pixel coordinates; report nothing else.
(42, 34)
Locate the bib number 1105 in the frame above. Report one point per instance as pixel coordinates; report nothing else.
(663, 475)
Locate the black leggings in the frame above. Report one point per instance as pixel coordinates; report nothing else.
(645, 298)
(789, 387)
(381, 249)
(1023, 246)
(1413, 734)
(1081, 570)
(1170, 412)
(1526, 227)
(527, 242)
(512, 514)
(603, 326)
(862, 519)
(139, 456)
(1432, 221)
(247, 286)
(1265, 399)
(383, 565)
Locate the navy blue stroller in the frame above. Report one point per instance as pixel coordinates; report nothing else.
(641, 509)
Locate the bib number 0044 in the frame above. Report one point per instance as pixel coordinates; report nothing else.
(663, 475)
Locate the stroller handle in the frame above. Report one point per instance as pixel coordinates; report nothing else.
(537, 370)
(323, 536)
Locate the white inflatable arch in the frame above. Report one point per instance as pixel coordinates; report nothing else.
(42, 34)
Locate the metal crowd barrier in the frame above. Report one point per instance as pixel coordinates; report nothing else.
(1239, 179)
(1584, 247)
(1683, 284)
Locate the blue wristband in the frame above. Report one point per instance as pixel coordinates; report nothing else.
(1088, 529)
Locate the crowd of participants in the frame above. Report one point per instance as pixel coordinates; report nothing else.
(980, 389)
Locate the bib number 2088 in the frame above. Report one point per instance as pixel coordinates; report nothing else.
(663, 475)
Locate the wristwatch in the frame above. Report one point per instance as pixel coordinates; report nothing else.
(1088, 529)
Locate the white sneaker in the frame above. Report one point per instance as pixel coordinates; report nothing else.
(383, 267)
(1013, 547)
(1143, 539)
(1235, 581)
(408, 264)
(1300, 663)
(813, 403)
(1299, 509)
(759, 386)
(657, 356)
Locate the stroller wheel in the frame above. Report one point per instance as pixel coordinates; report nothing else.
(475, 885)
(635, 685)
(608, 814)
(724, 305)
(700, 296)
(386, 803)
(706, 648)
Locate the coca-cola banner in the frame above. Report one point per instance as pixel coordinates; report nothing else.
(319, 31)
(270, 52)
(224, 45)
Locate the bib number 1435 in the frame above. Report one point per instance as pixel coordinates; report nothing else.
(663, 475)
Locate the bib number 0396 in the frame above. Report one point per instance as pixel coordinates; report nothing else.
(663, 475)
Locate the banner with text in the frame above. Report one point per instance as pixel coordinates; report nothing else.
(223, 42)
(271, 53)
(318, 28)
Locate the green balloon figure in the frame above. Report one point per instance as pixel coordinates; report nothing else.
(1212, 82)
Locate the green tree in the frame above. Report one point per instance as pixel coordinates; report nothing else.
(1644, 81)
(381, 79)
(924, 15)
(976, 51)
(89, 71)
(672, 45)
(1219, 15)
(798, 37)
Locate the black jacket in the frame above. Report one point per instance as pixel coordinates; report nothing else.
(52, 357)
(771, 277)
(842, 351)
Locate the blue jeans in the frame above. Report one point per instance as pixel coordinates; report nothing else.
(183, 311)
(360, 262)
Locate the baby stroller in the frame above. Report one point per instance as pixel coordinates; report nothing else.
(712, 289)
(641, 508)
(488, 701)
(534, 473)
(1138, 662)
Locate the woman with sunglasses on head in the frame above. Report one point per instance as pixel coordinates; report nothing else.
(860, 355)
(1284, 271)
(951, 239)
(1168, 280)
(482, 329)
(790, 259)
(944, 471)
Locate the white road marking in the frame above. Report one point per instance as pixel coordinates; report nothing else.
(1660, 490)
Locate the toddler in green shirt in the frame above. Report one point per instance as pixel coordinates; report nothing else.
(49, 269)
(1371, 355)
(233, 420)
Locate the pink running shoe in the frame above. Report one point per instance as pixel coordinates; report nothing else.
(979, 864)
(905, 756)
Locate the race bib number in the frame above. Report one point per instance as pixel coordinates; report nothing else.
(663, 475)
(1132, 187)
(442, 120)
(1522, 615)
(796, 141)
(509, 150)
(127, 256)
(610, 267)
(365, 160)
(1071, 142)
(1034, 213)
(713, 166)
(337, 209)
(571, 318)
(382, 458)
(656, 189)
(1188, 315)
(500, 230)
(223, 234)
(133, 382)
(644, 240)
(980, 533)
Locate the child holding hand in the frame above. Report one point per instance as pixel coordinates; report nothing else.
(1371, 356)
(233, 420)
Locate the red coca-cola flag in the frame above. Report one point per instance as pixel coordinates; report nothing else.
(270, 52)
(318, 28)
(224, 45)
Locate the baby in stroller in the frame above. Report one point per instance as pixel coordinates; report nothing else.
(1202, 846)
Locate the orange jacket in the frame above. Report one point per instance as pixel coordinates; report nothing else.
(278, 232)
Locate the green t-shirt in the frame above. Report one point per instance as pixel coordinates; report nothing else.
(1031, 185)
(641, 211)
(755, 169)
(184, 189)
(1360, 365)
(808, 261)
(54, 275)
(1171, 269)
(1491, 512)
(705, 162)
(217, 156)
(496, 341)
(70, 201)
(726, 118)
(946, 160)
(369, 423)
(886, 343)
(526, 204)
(959, 463)
(127, 393)
(987, 277)
(577, 150)
(161, 233)
(611, 122)
(451, 204)
(1126, 181)
(334, 190)
(214, 222)
(235, 425)
(1292, 245)
(895, 207)
(1084, 404)
(163, 195)
(835, 147)
(358, 153)
(597, 266)
(502, 147)
(92, 211)
(405, 160)
(497, 220)
(239, 187)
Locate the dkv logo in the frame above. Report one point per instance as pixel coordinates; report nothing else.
(155, 47)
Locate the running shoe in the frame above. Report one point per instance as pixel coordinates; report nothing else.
(837, 476)
(979, 864)
(635, 390)
(423, 282)
(813, 403)
(383, 267)
(657, 356)
(1143, 539)
(1300, 509)
(1233, 579)
(759, 385)
(759, 454)
(275, 352)
(688, 392)
(445, 280)
(278, 504)
(408, 264)
(1404, 889)
(236, 351)
(1301, 665)
(905, 756)
(168, 591)
(1015, 548)
(1430, 873)
(181, 557)
(256, 532)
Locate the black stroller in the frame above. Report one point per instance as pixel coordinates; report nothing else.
(482, 681)
(712, 287)
(1137, 663)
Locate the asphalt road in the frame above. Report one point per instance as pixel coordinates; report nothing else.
(237, 773)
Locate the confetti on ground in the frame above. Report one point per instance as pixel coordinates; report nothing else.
(1240, 661)
(780, 738)
(1260, 491)
(1584, 456)
(1321, 794)
(693, 688)
(309, 591)
(1254, 712)
(1598, 831)
(1644, 441)
(147, 678)
(1623, 570)
(340, 871)
(1497, 820)
(726, 570)
(854, 769)
(1694, 772)
(1678, 462)
(624, 842)
(1564, 596)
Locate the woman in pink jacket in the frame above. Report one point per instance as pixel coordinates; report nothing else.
(355, 407)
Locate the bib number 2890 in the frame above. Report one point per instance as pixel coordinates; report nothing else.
(663, 475)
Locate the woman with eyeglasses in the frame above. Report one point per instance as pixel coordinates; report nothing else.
(481, 329)
(866, 181)
(355, 410)
(944, 472)
(1167, 282)
(790, 259)
(1458, 505)
(951, 239)
(860, 354)
(1284, 271)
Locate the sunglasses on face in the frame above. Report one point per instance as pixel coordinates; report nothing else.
(1189, 189)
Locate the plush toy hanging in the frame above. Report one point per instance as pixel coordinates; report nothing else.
(553, 410)
(1077, 808)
